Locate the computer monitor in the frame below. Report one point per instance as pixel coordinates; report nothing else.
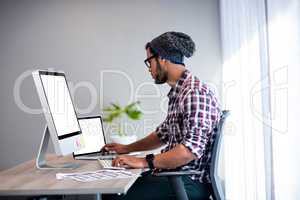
(59, 111)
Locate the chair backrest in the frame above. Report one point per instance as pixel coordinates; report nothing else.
(215, 179)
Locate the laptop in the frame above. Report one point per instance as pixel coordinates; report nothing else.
(94, 139)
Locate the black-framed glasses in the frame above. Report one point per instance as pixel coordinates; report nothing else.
(147, 61)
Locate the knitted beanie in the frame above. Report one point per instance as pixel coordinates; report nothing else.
(173, 46)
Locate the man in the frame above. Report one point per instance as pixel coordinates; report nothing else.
(193, 112)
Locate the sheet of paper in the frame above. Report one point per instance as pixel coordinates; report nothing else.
(95, 175)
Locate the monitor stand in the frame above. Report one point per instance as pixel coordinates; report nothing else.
(41, 157)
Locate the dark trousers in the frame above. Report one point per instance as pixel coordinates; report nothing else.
(158, 188)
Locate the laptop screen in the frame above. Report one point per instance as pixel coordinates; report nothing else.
(92, 133)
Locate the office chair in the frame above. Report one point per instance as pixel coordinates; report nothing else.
(174, 177)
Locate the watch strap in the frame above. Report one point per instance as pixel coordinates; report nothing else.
(150, 159)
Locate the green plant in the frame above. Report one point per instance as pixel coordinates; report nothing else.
(116, 111)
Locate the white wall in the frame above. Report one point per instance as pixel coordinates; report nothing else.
(85, 38)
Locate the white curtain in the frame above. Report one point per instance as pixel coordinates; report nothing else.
(284, 48)
(261, 73)
(245, 70)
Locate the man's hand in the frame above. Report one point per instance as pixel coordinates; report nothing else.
(119, 148)
(129, 162)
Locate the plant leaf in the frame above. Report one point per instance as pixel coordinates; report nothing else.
(116, 111)
(116, 106)
(134, 114)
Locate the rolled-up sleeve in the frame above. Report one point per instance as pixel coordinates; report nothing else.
(162, 132)
(196, 109)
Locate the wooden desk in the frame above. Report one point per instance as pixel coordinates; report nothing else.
(26, 179)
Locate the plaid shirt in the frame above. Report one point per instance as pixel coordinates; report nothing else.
(193, 113)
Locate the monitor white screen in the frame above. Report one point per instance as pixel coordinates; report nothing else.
(92, 133)
(60, 104)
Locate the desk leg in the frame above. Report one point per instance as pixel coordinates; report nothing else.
(98, 196)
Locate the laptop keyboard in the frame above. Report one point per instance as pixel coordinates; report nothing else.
(107, 164)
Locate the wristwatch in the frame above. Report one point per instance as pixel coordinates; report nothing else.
(150, 159)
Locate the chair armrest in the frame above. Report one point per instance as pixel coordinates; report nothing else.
(175, 173)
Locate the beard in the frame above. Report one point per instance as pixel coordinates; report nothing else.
(161, 76)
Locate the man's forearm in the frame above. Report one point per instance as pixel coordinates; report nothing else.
(176, 157)
(148, 143)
